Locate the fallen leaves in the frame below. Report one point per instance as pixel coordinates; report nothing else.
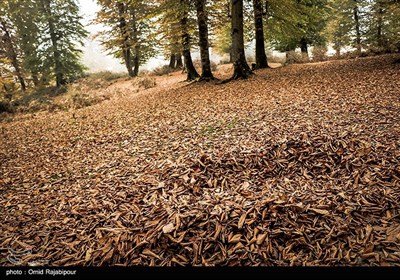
(295, 166)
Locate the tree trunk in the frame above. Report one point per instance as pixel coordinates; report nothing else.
(136, 59)
(179, 64)
(191, 71)
(126, 50)
(241, 68)
(54, 41)
(206, 73)
(304, 48)
(35, 79)
(261, 56)
(379, 36)
(357, 25)
(12, 55)
(172, 61)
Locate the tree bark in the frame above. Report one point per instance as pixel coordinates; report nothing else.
(179, 64)
(241, 68)
(136, 59)
(261, 56)
(54, 40)
(357, 26)
(206, 73)
(126, 50)
(12, 55)
(191, 71)
(35, 79)
(304, 48)
(379, 23)
(172, 61)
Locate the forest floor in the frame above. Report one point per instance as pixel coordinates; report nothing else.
(298, 165)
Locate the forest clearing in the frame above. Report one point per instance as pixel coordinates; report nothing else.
(297, 165)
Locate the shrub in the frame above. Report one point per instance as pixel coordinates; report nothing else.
(6, 106)
(144, 72)
(294, 57)
(80, 100)
(319, 54)
(106, 75)
(146, 82)
(276, 59)
(162, 70)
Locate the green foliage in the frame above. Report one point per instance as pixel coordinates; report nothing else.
(383, 26)
(68, 34)
(47, 34)
(293, 22)
(379, 25)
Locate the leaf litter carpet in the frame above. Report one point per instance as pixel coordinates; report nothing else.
(298, 165)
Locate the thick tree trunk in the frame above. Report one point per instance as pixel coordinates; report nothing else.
(191, 71)
(206, 73)
(357, 26)
(54, 40)
(241, 68)
(12, 55)
(172, 61)
(136, 61)
(179, 63)
(126, 50)
(261, 56)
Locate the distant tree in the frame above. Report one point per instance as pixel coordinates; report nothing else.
(373, 24)
(220, 23)
(383, 25)
(129, 36)
(9, 49)
(356, 14)
(339, 26)
(61, 31)
(296, 23)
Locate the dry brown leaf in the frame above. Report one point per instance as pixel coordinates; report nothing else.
(235, 238)
(168, 228)
(88, 254)
(320, 211)
(261, 238)
(313, 162)
(242, 220)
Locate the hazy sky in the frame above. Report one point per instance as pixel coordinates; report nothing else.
(94, 56)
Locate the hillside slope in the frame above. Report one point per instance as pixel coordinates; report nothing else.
(298, 165)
